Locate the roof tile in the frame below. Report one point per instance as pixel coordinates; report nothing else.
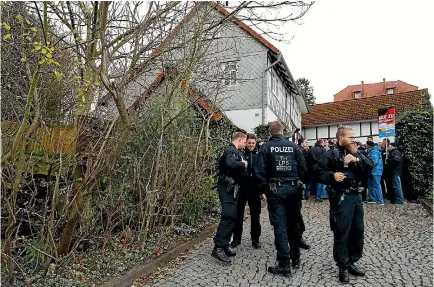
(361, 109)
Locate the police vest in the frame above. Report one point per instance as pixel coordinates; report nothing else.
(349, 175)
(281, 162)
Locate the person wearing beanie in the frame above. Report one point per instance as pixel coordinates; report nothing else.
(393, 176)
(374, 187)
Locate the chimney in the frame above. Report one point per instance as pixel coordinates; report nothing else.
(384, 84)
(361, 92)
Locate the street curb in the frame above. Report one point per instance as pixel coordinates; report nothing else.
(128, 279)
(427, 206)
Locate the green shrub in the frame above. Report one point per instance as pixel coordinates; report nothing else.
(414, 134)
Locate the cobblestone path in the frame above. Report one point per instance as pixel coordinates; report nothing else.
(398, 252)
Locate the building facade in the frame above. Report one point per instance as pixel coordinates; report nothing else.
(373, 89)
(359, 114)
(243, 74)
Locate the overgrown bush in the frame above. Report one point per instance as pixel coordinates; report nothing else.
(414, 131)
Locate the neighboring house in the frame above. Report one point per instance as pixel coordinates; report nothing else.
(369, 90)
(360, 114)
(241, 72)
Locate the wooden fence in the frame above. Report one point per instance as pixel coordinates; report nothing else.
(54, 140)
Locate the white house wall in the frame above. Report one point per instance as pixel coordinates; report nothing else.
(361, 130)
(246, 119)
(283, 104)
(271, 116)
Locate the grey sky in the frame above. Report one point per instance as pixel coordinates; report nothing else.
(343, 42)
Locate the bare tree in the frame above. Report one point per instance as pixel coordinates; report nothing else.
(109, 46)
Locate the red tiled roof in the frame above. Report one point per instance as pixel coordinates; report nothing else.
(361, 109)
(373, 89)
(246, 28)
(192, 93)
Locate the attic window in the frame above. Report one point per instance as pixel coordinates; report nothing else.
(357, 95)
(390, 91)
(230, 73)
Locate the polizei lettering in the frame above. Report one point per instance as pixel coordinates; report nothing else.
(281, 149)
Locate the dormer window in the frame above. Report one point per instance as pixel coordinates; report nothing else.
(357, 95)
(390, 91)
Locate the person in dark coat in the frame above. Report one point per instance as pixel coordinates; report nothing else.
(280, 165)
(303, 144)
(249, 193)
(394, 172)
(342, 169)
(232, 169)
(314, 155)
(364, 180)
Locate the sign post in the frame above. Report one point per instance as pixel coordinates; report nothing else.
(386, 123)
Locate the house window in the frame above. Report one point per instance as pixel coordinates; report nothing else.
(390, 91)
(357, 95)
(230, 73)
(273, 82)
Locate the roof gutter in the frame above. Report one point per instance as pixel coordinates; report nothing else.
(264, 90)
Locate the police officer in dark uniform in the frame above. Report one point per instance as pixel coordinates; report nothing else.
(303, 144)
(232, 168)
(342, 169)
(249, 193)
(280, 165)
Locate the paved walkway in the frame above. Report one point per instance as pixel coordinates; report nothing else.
(398, 252)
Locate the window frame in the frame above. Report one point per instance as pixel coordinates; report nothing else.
(357, 94)
(232, 81)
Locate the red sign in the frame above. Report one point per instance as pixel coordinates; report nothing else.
(386, 122)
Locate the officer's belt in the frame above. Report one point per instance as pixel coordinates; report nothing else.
(350, 190)
(286, 182)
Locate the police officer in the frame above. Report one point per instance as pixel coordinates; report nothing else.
(249, 193)
(303, 144)
(232, 168)
(280, 165)
(342, 169)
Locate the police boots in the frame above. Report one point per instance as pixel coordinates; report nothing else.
(280, 269)
(220, 254)
(343, 275)
(296, 264)
(354, 270)
(303, 244)
(256, 244)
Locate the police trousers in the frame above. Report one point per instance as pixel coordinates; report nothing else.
(228, 217)
(248, 194)
(346, 220)
(284, 212)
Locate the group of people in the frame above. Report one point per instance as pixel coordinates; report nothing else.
(383, 180)
(278, 170)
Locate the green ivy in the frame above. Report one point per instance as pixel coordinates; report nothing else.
(414, 134)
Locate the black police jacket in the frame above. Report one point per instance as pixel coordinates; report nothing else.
(279, 160)
(393, 165)
(363, 151)
(250, 157)
(231, 165)
(314, 154)
(333, 162)
(305, 153)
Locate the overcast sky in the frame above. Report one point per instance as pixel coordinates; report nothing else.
(343, 42)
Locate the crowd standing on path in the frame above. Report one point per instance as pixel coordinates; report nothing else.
(283, 173)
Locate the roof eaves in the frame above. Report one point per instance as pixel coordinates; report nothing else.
(295, 84)
(244, 26)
